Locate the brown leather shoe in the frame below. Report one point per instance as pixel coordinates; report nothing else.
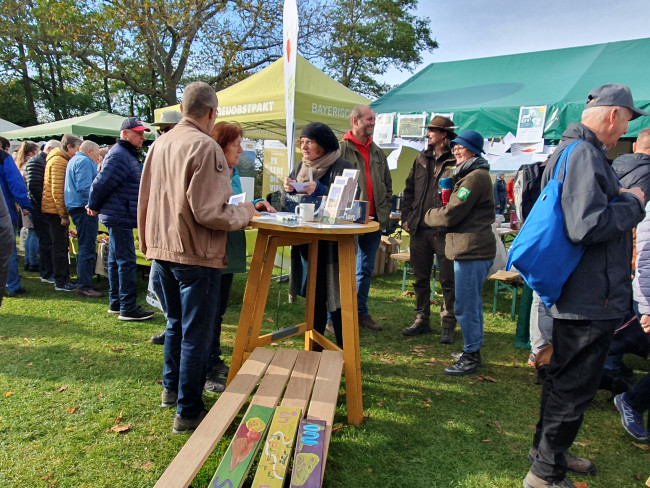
(367, 322)
(89, 293)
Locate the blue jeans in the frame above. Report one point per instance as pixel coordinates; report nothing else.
(367, 245)
(189, 296)
(31, 249)
(13, 279)
(87, 228)
(469, 276)
(122, 270)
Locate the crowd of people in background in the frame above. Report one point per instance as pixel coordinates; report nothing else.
(179, 203)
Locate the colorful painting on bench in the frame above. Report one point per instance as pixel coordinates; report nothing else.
(239, 457)
(276, 452)
(308, 460)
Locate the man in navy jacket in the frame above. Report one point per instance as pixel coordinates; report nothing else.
(114, 197)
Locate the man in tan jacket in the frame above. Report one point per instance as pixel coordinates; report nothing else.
(54, 212)
(183, 217)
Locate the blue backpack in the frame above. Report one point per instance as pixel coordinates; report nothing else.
(542, 252)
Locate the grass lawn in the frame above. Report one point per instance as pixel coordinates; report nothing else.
(69, 373)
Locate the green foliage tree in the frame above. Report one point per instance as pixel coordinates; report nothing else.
(368, 37)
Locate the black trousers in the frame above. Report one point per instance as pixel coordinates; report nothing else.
(424, 244)
(579, 351)
(60, 243)
(42, 230)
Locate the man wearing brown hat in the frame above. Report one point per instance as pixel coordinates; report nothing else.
(599, 215)
(422, 193)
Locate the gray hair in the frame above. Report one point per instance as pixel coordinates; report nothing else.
(88, 146)
(599, 113)
(198, 99)
(51, 144)
(357, 112)
(70, 140)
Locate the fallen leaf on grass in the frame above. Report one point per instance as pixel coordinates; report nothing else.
(580, 484)
(72, 409)
(289, 343)
(117, 349)
(269, 319)
(8, 393)
(486, 440)
(83, 359)
(408, 294)
(497, 424)
(643, 447)
(487, 378)
(387, 360)
(26, 339)
(120, 428)
(30, 364)
(147, 465)
(62, 389)
(434, 360)
(340, 428)
(119, 417)
(52, 484)
(47, 477)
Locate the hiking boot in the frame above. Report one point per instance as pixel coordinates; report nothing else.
(68, 286)
(468, 363)
(168, 398)
(447, 336)
(158, 338)
(214, 384)
(329, 328)
(219, 369)
(631, 419)
(136, 314)
(418, 327)
(89, 293)
(113, 309)
(185, 425)
(574, 463)
(533, 481)
(367, 322)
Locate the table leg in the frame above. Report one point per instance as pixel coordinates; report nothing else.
(254, 302)
(350, 322)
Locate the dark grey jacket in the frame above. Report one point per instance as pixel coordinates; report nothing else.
(600, 218)
(633, 170)
(417, 188)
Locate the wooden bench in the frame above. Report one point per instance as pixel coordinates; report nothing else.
(405, 257)
(509, 281)
(298, 379)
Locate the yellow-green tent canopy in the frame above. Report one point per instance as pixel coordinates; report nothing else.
(257, 103)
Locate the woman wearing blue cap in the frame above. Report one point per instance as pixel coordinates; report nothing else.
(468, 218)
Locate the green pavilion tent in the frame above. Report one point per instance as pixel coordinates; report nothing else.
(485, 94)
(98, 126)
(257, 103)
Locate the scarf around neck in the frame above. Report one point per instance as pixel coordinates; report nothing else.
(318, 166)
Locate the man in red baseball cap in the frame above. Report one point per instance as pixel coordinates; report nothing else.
(114, 197)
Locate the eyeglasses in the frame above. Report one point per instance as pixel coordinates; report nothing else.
(457, 148)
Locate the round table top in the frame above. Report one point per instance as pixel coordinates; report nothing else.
(316, 227)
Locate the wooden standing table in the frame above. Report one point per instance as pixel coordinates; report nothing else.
(272, 235)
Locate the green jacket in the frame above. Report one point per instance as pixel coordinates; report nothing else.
(382, 184)
(469, 215)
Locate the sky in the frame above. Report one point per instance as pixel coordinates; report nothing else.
(467, 29)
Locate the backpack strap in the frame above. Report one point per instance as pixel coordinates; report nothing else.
(564, 159)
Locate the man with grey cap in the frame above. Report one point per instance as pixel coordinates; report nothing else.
(599, 215)
(421, 193)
